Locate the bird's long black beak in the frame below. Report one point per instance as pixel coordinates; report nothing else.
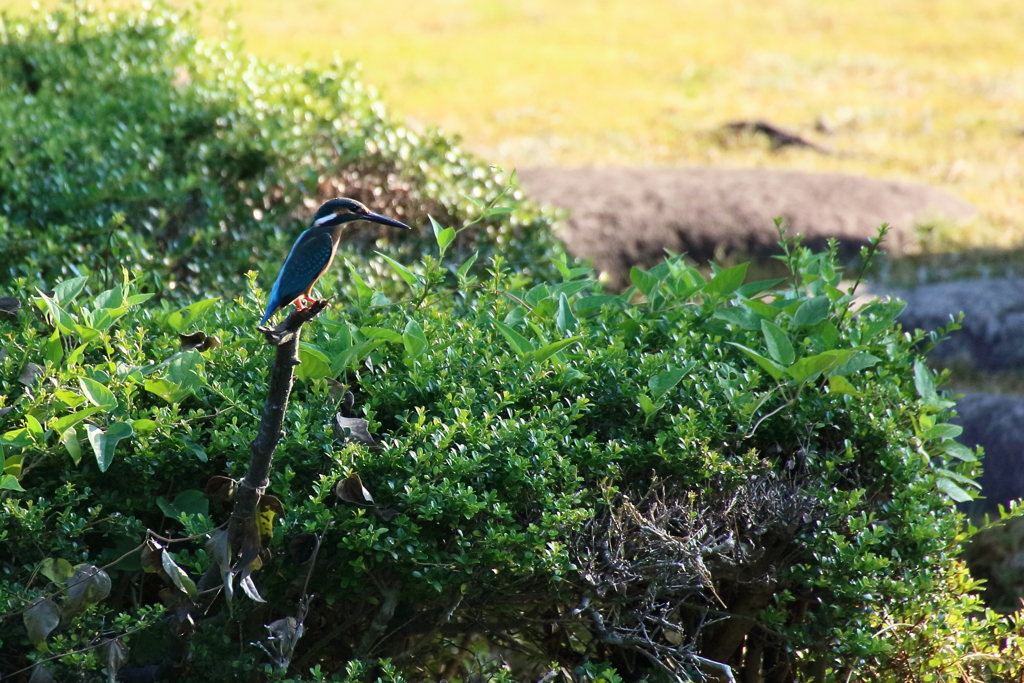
(383, 220)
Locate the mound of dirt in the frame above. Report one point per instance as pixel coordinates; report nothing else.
(621, 217)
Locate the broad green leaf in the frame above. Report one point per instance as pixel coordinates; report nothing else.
(16, 438)
(741, 316)
(182, 370)
(136, 299)
(664, 382)
(924, 381)
(98, 395)
(838, 384)
(959, 478)
(8, 482)
(414, 339)
(761, 308)
(104, 442)
(812, 311)
(144, 426)
(643, 280)
(363, 291)
(167, 390)
(112, 298)
(62, 320)
(646, 404)
(827, 334)
(410, 278)
(589, 305)
(565, 321)
(943, 431)
(861, 360)
(809, 367)
(87, 334)
(959, 451)
(57, 570)
(520, 344)
(445, 238)
(542, 354)
(66, 291)
(178, 575)
(194, 448)
(54, 348)
(464, 268)
(183, 317)
(33, 426)
(771, 367)
(12, 465)
(392, 336)
(190, 502)
(953, 491)
(752, 289)
(313, 363)
(69, 437)
(779, 346)
(726, 281)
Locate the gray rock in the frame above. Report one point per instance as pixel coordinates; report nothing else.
(992, 337)
(994, 422)
(622, 217)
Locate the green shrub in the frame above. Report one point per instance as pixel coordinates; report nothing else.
(128, 140)
(694, 472)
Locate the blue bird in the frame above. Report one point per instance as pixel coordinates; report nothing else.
(314, 250)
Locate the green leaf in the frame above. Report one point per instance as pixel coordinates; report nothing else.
(838, 384)
(771, 367)
(943, 431)
(924, 381)
(752, 289)
(69, 437)
(183, 317)
(809, 367)
(57, 570)
(741, 316)
(98, 395)
(464, 268)
(959, 451)
(178, 575)
(410, 278)
(588, 305)
(313, 363)
(664, 382)
(194, 448)
(953, 491)
(542, 354)
(644, 281)
(54, 348)
(8, 482)
(779, 346)
(65, 292)
(190, 502)
(565, 321)
(761, 308)
(414, 339)
(812, 311)
(646, 404)
(445, 238)
(520, 344)
(364, 294)
(136, 299)
(959, 478)
(861, 360)
(182, 370)
(167, 390)
(827, 335)
(111, 298)
(104, 442)
(382, 333)
(62, 320)
(144, 426)
(726, 281)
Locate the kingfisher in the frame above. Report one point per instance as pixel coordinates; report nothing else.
(314, 250)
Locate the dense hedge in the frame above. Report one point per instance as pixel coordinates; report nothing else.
(692, 471)
(490, 468)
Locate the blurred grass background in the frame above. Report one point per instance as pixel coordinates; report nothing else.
(923, 90)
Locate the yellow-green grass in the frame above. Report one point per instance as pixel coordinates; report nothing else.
(923, 90)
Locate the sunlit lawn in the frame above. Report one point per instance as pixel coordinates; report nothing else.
(926, 90)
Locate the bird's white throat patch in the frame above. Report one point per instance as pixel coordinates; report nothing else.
(325, 219)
